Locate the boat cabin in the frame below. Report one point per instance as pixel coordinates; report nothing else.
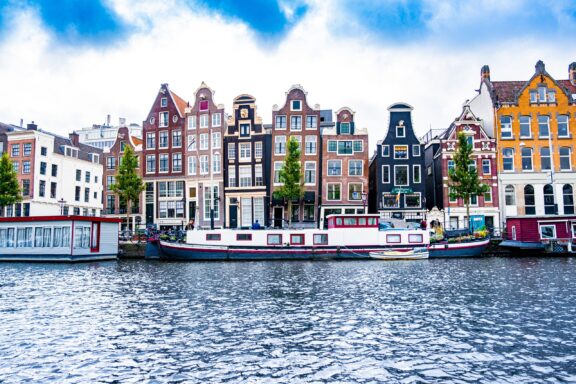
(58, 238)
(352, 221)
(551, 232)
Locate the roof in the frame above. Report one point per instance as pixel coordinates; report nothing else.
(137, 140)
(506, 91)
(59, 218)
(181, 104)
(84, 150)
(568, 86)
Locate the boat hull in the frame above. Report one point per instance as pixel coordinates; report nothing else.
(409, 254)
(471, 249)
(56, 258)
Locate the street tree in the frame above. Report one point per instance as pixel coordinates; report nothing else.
(9, 189)
(291, 177)
(129, 184)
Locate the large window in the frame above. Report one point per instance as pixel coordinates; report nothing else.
(412, 200)
(231, 176)
(191, 122)
(565, 163)
(204, 165)
(549, 208)
(563, 129)
(486, 167)
(246, 211)
(525, 131)
(15, 150)
(204, 121)
(506, 127)
(508, 159)
(334, 167)
(163, 139)
(280, 122)
(245, 151)
(245, 176)
(509, 195)
(277, 168)
(345, 147)
(163, 162)
(333, 191)
(386, 174)
(27, 149)
(177, 139)
(216, 165)
(543, 126)
(211, 197)
(400, 151)
(192, 165)
(311, 122)
(526, 159)
(232, 151)
(150, 163)
(390, 201)
(151, 140)
(177, 162)
(216, 119)
(568, 198)
(355, 168)
(216, 139)
(529, 200)
(204, 141)
(258, 149)
(354, 191)
(258, 175)
(295, 123)
(545, 158)
(280, 145)
(310, 172)
(311, 145)
(401, 175)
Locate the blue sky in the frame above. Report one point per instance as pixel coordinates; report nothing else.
(112, 55)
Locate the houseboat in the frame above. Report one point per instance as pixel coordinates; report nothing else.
(58, 238)
(547, 234)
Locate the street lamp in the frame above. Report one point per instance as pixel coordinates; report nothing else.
(364, 199)
(62, 202)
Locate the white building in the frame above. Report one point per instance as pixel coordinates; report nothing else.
(104, 135)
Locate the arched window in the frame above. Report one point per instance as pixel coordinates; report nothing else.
(568, 198)
(526, 159)
(549, 200)
(529, 200)
(509, 195)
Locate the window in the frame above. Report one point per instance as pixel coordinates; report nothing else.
(232, 176)
(332, 145)
(86, 195)
(400, 151)
(213, 237)
(508, 159)
(204, 141)
(506, 127)
(509, 195)
(15, 166)
(355, 168)
(27, 149)
(110, 180)
(547, 232)
(163, 139)
(401, 175)
(563, 130)
(163, 102)
(204, 164)
(204, 121)
(177, 139)
(412, 200)
(525, 127)
(280, 145)
(244, 130)
(311, 122)
(258, 149)
(211, 198)
(246, 211)
(551, 96)
(245, 176)
(258, 175)
(451, 166)
(533, 96)
(416, 174)
(111, 162)
(25, 167)
(543, 126)
(192, 165)
(488, 195)
(400, 131)
(43, 151)
(486, 167)
(310, 172)
(150, 163)
(310, 147)
(416, 150)
(176, 162)
(542, 94)
(216, 164)
(393, 239)
(203, 104)
(280, 122)
(275, 239)
(243, 237)
(232, 151)
(216, 119)
(296, 239)
(545, 158)
(333, 191)
(355, 191)
(42, 191)
(163, 162)
(277, 168)
(568, 199)
(191, 122)
(320, 239)
(309, 212)
(415, 238)
(216, 140)
(77, 194)
(526, 159)
(15, 150)
(245, 151)
(472, 165)
(78, 175)
(358, 146)
(87, 177)
(344, 128)
(334, 167)
(163, 116)
(386, 174)
(54, 170)
(345, 147)
(565, 163)
(296, 105)
(295, 123)
(529, 200)
(151, 140)
(549, 208)
(26, 187)
(385, 151)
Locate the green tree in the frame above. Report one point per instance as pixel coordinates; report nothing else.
(291, 176)
(9, 188)
(128, 184)
(464, 181)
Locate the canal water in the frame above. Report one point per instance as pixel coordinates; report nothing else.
(466, 320)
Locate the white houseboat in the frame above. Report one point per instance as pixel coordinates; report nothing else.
(58, 238)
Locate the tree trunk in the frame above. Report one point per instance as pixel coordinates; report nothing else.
(468, 214)
(128, 226)
(289, 213)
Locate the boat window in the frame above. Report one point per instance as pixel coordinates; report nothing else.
(244, 236)
(213, 237)
(24, 237)
(81, 237)
(547, 231)
(372, 221)
(350, 221)
(6, 237)
(415, 238)
(275, 239)
(297, 239)
(514, 232)
(393, 239)
(362, 221)
(338, 221)
(320, 239)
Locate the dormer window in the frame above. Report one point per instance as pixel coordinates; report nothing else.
(164, 102)
(204, 105)
(70, 152)
(94, 157)
(244, 130)
(400, 131)
(296, 105)
(344, 128)
(542, 94)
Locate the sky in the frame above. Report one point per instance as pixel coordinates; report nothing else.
(67, 64)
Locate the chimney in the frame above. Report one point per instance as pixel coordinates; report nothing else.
(108, 120)
(572, 73)
(32, 126)
(21, 123)
(540, 67)
(122, 122)
(485, 73)
(74, 138)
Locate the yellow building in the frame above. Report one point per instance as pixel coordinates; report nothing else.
(535, 127)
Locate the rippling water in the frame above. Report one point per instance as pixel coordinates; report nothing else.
(488, 320)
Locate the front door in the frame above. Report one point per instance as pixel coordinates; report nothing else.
(149, 213)
(233, 214)
(192, 210)
(278, 217)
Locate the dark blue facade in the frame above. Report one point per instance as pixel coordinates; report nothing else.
(397, 182)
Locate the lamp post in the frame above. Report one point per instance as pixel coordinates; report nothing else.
(62, 202)
(364, 199)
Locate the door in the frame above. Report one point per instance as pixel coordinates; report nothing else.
(192, 210)
(278, 217)
(233, 214)
(95, 241)
(149, 213)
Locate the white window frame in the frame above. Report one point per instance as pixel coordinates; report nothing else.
(314, 139)
(216, 119)
(385, 147)
(204, 120)
(569, 159)
(361, 191)
(258, 149)
(413, 193)
(280, 139)
(192, 165)
(389, 176)
(232, 151)
(204, 141)
(306, 164)
(506, 128)
(328, 191)
(407, 175)
(278, 117)
(245, 151)
(232, 176)
(328, 174)
(292, 105)
(407, 152)
(216, 160)
(242, 176)
(160, 146)
(529, 126)
(489, 162)
(291, 125)
(361, 167)
(315, 117)
(489, 193)
(416, 170)
(511, 157)
(153, 136)
(278, 165)
(545, 226)
(216, 140)
(191, 122)
(354, 146)
(414, 147)
(174, 157)
(567, 125)
(175, 134)
(160, 161)
(403, 128)
(163, 102)
(163, 123)
(204, 171)
(155, 165)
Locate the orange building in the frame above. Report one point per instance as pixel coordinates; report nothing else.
(535, 124)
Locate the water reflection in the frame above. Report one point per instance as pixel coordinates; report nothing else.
(490, 320)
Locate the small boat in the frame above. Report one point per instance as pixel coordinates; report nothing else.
(470, 248)
(401, 254)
